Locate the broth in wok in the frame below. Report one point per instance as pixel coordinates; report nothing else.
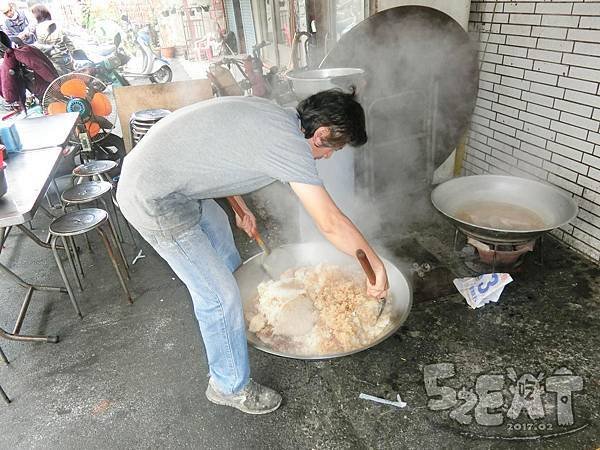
(500, 216)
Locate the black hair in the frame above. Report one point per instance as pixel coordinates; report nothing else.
(41, 13)
(336, 110)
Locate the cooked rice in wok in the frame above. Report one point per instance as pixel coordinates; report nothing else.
(316, 311)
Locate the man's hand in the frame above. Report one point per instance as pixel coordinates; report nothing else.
(248, 224)
(381, 287)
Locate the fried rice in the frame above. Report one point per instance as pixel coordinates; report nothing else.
(317, 311)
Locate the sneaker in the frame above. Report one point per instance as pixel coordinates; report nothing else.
(253, 399)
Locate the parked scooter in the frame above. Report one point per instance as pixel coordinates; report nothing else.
(154, 68)
(107, 69)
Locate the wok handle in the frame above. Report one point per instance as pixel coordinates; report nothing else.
(366, 265)
(240, 212)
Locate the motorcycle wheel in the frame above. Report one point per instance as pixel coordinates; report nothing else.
(162, 75)
(112, 148)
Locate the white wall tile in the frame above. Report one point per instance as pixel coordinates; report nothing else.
(554, 8)
(577, 85)
(556, 45)
(560, 21)
(548, 67)
(541, 77)
(542, 110)
(579, 122)
(589, 9)
(549, 32)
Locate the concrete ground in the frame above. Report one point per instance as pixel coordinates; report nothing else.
(133, 376)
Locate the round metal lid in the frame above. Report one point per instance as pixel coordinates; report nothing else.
(94, 168)
(149, 115)
(409, 53)
(78, 222)
(86, 191)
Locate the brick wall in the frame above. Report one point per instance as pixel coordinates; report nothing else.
(538, 107)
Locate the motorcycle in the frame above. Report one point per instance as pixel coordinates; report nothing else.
(154, 68)
(107, 67)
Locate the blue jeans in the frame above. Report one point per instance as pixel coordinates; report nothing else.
(204, 257)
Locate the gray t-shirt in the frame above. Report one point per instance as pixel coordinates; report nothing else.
(216, 148)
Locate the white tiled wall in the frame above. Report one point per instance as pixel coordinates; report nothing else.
(538, 107)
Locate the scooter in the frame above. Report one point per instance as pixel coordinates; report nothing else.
(156, 69)
(106, 67)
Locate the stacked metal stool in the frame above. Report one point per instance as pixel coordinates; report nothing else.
(142, 121)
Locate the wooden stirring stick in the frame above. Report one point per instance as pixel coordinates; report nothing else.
(256, 236)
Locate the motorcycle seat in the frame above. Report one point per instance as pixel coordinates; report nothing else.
(106, 50)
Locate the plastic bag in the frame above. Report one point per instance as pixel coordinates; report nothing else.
(483, 289)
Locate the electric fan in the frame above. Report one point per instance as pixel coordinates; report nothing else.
(86, 95)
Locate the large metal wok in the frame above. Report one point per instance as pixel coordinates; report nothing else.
(554, 207)
(308, 82)
(250, 274)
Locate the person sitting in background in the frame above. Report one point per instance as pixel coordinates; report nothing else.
(52, 41)
(16, 24)
(47, 36)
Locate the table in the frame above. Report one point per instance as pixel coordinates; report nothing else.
(46, 131)
(28, 175)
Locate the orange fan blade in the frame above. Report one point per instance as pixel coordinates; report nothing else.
(92, 128)
(56, 108)
(74, 88)
(101, 104)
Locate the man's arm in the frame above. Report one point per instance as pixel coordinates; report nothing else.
(339, 230)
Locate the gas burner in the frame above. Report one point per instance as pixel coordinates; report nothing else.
(502, 255)
(482, 256)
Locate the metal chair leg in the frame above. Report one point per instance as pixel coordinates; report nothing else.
(112, 228)
(71, 261)
(118, 222)
(63, 274)
(87, 241)
(4, 396)
(3, 356)
(131, 232)
(76, 254)
(114, 261)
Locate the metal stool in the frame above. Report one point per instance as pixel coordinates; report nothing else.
(87, 192)
(98, 170)
(95, 169)
(79, 222)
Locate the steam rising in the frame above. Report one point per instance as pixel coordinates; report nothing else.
(421, 75)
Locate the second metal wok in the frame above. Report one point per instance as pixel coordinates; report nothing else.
(250, 274)
(553, 206)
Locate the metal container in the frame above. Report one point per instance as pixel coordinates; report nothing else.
(250, 274)
(553, 206)
(308, 82)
